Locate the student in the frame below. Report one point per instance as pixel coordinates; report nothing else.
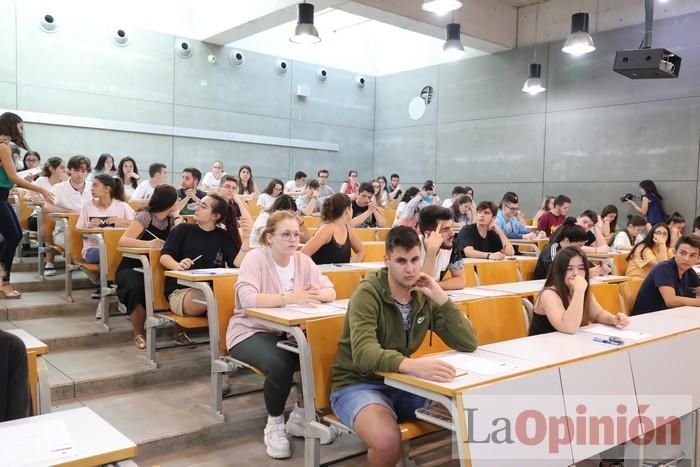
(595, 242)
(200, 246)
(283, 203)
(158, 173)
(566, 302)
(309, 203)
(11, 130)
(394, 189)
(652, 203)
(463, 211)
(270, 193)
(631, 235)
(296, 186)
(365, 212)
(105, 165)
(31, 160)
(549, 221)
(507, 219)
(696, 226)
(676, 224)
(438, 252)
(334, 240)
(246, 186)
(228, 189)
(324, 190)
(672, 283)
(469, 191)
(568, 234)
(15, 393)
(653, 249)
(212, 180)
(149, 229)
(128, 173)
(351, 186)
(608, 222)
(384, 193)
(408, 210)
(388, 317)
(430, 193)
(484, 239)
(274, 276)
(106, 209)
(457, 192)
(547, 205)
(380, 195)
(190, 196)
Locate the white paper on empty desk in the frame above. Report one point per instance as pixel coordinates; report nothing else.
(37, 443)
(613, 331)
(465, 363)
(323, 309)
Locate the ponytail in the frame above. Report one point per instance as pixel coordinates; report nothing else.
(114, 184)
(227, 217)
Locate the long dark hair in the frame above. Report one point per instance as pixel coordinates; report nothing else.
(464, 199)
(334, 206)
(27, 154)
(650, 187)
(120, 170)
(51, 163)
(115, 185)
(283, 203)
(227, 217)
(610, 209)
(99, 167)
(8, 127)
(409, 194)
(271, 186)
(571, 230)
(556, 278)
(162, 199)
(648, 241)
(250, 186)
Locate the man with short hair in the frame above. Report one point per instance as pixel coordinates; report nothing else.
(595, 243)
(309, 203)
(438, 252)
(324, 190)
(158, 173)
(507, 219)
(365, 212)
(673, 282)
(389, 315)
(228, 189)
(188, 193)
(549, 221)
(456, 193)
(297, 186)
(484, 239)
(394, 188)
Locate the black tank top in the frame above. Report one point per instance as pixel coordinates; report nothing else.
(332, 252)
(540, 325)
(129, 263)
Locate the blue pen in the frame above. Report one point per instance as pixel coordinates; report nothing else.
(609, 341)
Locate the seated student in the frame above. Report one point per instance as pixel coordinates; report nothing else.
(105, 165)
(212, 180)
(53, 173)
(270, 193)
(128, 173)
(653, 249)
(200, 246)
(365, 212)
(274, 276)
(283, 203)
(608, 222)
(676, 224)
(247, 187)
(507, 219)
(696, 226)
(324, 190)
(228, 189)
(547, 205)
(351, 186)
(188, 193)
(388, 317)
(484, 239)
(394, 189)
(296, 186)
(457, 192)
(631, 235)
(158, 173)
(430, 195)
(595, 242)
(672, 283)
(464, 212)
(149, 229)
(410, 195)
(438, 252)
(334, 240)
(568, 234)
(15, 394)
(380, 195)
(566, 302)
(309, 204)
(549, 221)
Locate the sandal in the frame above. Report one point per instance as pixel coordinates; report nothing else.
(13, 295)
(140, 342)
(181, 338)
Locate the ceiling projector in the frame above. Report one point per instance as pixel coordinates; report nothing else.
(647, 63)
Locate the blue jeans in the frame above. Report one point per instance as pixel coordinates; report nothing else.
(92, 255)
(349, 401)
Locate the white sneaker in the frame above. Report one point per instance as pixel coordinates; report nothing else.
(49, 270)
(297, 423)
(276, 442)
(121, 308)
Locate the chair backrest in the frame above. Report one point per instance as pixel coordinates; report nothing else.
(253, 208)
(225, 294)
(374, 251)
(366, 235)
(527, 270)
(628, 292)
(312, 221)
(345, 282)
(323, 336)
(497, 272)
(498, 319)
(608, 295)
(620, 264)
(389, 215)
(427, 348)
(114, 256)
(25, 212)
(470, 279)
(76, 238)
(160, 302)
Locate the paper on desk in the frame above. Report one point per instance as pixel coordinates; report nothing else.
(475, 291)
(465, 363)
(39, 443)
(613, 331)
(24, 173)
(212, 271)
(322, 309)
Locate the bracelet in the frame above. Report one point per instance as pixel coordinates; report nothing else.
(282, 298)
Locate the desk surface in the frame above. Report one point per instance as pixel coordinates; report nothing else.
(535, 286)
(137, 251)
(296, 315)
(95, 441)
(30, 342)
(205, 274)
(516, 259)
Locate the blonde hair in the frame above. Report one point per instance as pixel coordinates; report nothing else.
(274, 219)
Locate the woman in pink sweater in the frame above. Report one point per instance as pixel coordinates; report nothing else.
(270, 277)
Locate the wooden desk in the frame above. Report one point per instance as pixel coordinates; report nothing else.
(536, 244)
(95, 441)
(614, 260)
(38, 372)
(532, 288)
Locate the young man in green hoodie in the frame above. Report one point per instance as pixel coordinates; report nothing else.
(388, 317)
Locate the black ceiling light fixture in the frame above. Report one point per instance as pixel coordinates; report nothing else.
(305, 32)
(579, 41)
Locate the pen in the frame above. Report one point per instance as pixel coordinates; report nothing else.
(609, 341)
(151, 234)
(196, 258)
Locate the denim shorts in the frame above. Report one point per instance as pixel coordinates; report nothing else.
(92, 255)
(349, 401)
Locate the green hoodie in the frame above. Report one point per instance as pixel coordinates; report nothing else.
(373, 334)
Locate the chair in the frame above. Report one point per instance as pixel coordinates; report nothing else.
(366, 235)
(470, 279)
(427, 347)
(374, 251)
(628, 293)
(608, 295)
(527, 270)
(312, 221)
(345, 282)
(498, 319)
(497, 272)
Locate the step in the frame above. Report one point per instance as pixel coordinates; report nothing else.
(46, 304)
(30, 282)
(29, 264)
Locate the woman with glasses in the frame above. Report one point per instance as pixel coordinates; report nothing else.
(31, 160)
(270, 277)
(269, 194)
(212, 180)
(351, 185)
(655, 247)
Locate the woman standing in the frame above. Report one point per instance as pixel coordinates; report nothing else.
(652, 203)
(246, 185)
(655, 247)
(128, 173)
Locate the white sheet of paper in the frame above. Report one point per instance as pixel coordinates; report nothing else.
(33, 171)
(323, 309)
(613, 331)
(465, 363)
(212, 271)
(34, 444)
(480, 292)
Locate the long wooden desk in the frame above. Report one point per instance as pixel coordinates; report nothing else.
(530, 288)
(92, 439)
(38, 372)
(536, 244)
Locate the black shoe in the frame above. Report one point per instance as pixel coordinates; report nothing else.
(96, 294)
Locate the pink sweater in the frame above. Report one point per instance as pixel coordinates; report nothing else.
(258, 275)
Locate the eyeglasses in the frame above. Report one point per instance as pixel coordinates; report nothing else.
(287, 235)
(513, 208)
(661, 233)
(323, 176)
(229, 187)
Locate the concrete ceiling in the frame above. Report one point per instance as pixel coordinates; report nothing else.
(521, 3)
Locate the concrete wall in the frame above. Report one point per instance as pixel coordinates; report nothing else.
(593, 135)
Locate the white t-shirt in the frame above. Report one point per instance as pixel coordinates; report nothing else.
(210, 181)
(67, 197)
(90, 211)
(44, 183)
(143, 191)
(265, 201)
(447, 203)
(128, 191)
(258, 227)
(286, 275)
(291, 187)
